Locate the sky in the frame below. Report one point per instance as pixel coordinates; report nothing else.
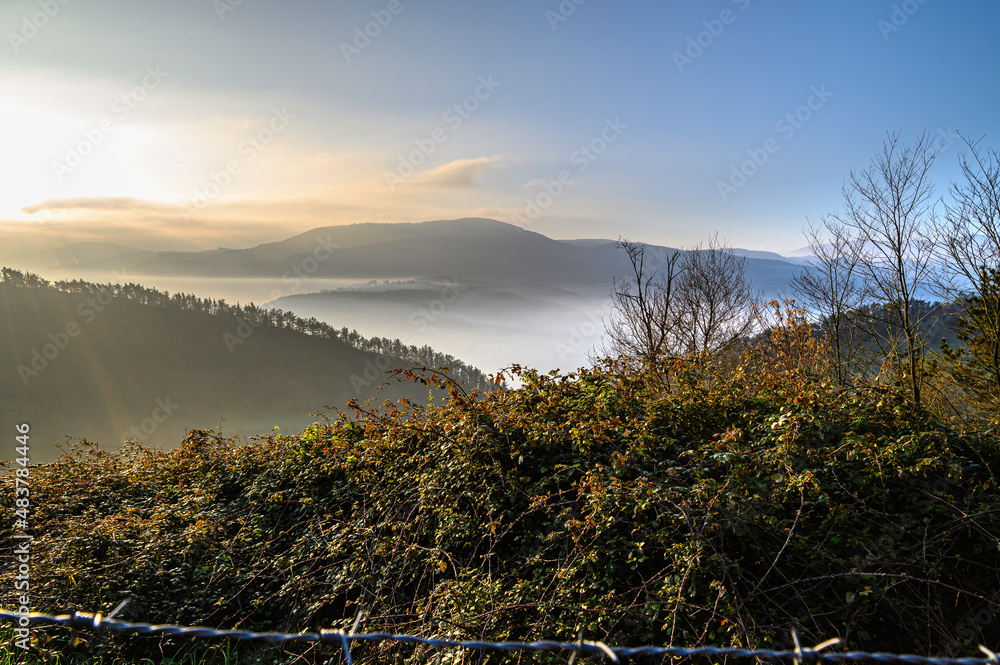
(195, 124)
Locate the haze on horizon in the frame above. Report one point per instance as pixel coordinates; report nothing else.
(231, 123)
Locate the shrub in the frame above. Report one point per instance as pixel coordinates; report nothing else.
(724, 515)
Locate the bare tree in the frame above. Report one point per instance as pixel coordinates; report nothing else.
(969, 237)
(888, 218)
(833, 292)
(645, 305)
(969, 253)
(718, 303)
(696, 304)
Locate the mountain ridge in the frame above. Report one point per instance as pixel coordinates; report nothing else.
(473, 248)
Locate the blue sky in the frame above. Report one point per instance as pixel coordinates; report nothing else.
(228, 123)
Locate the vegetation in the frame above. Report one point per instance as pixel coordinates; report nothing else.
(596, 500)
(975, 366)
(92, 364)
(255, 316)
(873, 264)
(889, 246)
(887, 213)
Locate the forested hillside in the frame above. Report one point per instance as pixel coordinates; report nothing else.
(111, 362)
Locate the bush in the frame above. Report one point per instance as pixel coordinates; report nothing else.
(724, 515)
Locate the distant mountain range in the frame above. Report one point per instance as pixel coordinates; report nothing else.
(483, 250)
(80, 253)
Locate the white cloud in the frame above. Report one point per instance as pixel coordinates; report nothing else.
(459, 173)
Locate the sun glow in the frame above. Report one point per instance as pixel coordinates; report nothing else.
(27, 137)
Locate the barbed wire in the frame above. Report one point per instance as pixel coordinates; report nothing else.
(799, 656)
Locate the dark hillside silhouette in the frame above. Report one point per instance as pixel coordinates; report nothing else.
(95, 364)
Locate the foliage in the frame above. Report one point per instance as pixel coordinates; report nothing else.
(723, 515)
(791, 348)
(11, 277)
(976, 365)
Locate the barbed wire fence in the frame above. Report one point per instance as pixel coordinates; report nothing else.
(799, 656)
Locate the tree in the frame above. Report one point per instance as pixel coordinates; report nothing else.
(646, 311)
(718, 303)
(833, 292)
(969, 238)
(976, 365)
(695, 304)
(887, 220)
(969, 252)
(12, 277)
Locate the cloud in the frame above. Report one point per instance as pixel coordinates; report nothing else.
(460, 173)
(101, 203)
(158, 224)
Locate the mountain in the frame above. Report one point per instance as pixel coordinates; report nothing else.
(473, 248)
(526, 298)
(108, 368)
(749, 253)
(72, 255)
(477, 249)
(801, 253)
(770, 256)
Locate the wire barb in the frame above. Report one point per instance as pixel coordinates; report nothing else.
(344, 641)
(809, 655)
(96, 623)
(578, 649)
(119, 608)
